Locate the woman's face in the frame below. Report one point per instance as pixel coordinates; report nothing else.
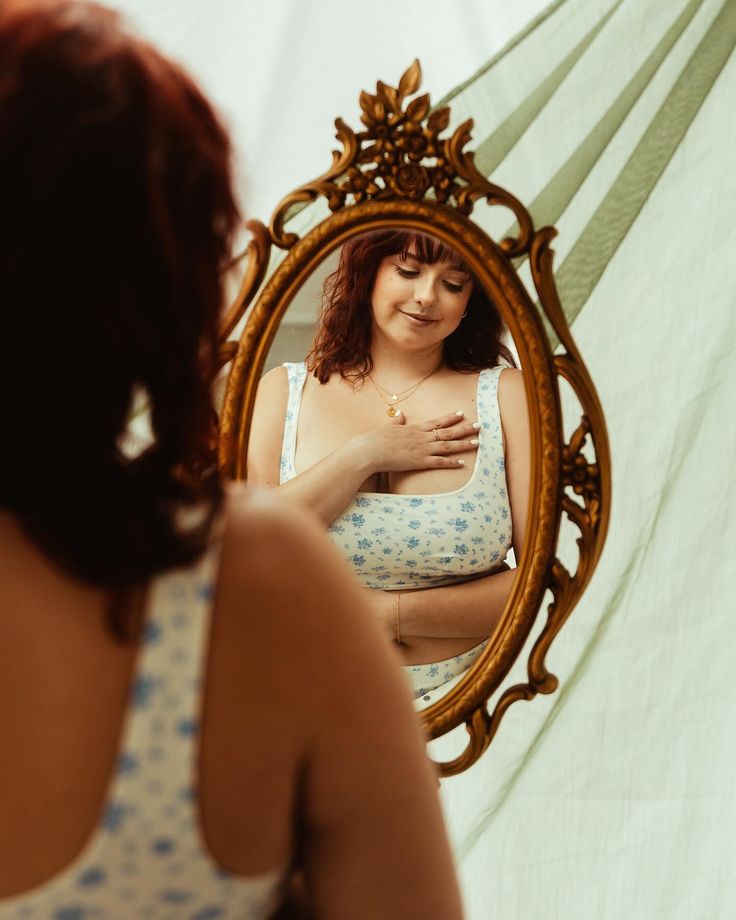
(417, 305)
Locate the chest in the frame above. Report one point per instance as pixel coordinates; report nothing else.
(333, 413)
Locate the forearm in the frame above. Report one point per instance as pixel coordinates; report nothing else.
(468, 610)
(330, 485)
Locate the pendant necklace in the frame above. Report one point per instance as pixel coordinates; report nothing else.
(391, 399)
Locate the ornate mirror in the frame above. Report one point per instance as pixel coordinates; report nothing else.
(400, 184)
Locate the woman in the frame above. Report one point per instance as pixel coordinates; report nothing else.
(407, 432)
(179, 739)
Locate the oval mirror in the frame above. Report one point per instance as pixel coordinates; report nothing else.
(456, 513)
(419, 411)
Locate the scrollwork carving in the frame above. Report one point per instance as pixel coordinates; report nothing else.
(400, 154)
(256, 263)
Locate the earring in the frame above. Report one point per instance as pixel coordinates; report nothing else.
(464, 315)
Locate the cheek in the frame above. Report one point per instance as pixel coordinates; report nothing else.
(456, 308)
(388, 290)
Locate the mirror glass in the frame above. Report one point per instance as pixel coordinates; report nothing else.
(407, 432)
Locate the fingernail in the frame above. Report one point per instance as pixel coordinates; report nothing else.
(461, 463)
(474, 441)
(459, 412)
(476, 425)
(398, 412)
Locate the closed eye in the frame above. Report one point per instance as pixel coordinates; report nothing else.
(451, 286)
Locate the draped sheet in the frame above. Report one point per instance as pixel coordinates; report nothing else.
(616, 797)
(613, 119)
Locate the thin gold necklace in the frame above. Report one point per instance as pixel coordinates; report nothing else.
(394, 398)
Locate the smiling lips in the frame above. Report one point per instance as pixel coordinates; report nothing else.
(418, 318)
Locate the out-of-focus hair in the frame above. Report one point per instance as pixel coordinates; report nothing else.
(117, 214)
(343, 338)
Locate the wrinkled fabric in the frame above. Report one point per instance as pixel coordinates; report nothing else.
(613, 120)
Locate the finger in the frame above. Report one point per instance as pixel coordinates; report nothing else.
(458, 432)
(443, 421)
(398, 419)
(453, 447)
(444, 462)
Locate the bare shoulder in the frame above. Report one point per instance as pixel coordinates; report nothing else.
(278, 556)
(273, 392)
(255, 515)
(263, 533)
(267, 428)
(511, 390)
(275, 381)
(273, 598)
(513, 408)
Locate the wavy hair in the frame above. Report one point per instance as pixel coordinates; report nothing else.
(343, 338)
(117, 214)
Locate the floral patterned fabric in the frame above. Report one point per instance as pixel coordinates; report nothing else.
(146, 858)
(405, 542)
(400, 542)
(423, 678)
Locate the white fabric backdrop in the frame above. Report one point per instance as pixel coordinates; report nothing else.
(617, 796)
(281, 72)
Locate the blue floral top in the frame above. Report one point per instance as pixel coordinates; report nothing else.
(398, 542)
(146, 858)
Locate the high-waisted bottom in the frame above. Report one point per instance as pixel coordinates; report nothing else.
(426, 677)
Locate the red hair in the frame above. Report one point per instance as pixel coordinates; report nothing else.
(117, 214)
(343, 338)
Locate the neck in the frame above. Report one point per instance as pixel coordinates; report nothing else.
(394, 367)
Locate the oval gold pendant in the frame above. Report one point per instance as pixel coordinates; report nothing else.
(391, 410)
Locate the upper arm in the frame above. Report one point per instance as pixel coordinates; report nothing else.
(267, 428)
(374, 843)
(515, 421)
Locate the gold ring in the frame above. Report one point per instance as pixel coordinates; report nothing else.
(436, 435)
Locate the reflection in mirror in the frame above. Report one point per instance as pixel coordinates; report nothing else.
(400, 418)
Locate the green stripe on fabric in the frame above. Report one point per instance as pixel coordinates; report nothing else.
(581, 270)
(509, 46)
(496, 146)
(552, 201)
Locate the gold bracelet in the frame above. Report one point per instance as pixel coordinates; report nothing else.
(398, 619)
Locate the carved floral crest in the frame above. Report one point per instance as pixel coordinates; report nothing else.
(401, 154)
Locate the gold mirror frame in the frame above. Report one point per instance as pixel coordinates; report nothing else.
(399, 172)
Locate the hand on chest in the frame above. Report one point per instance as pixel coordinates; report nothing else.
(334, 413)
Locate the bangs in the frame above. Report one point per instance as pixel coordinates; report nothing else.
(429, 250)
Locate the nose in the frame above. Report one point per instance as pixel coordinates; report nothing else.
(424, 291)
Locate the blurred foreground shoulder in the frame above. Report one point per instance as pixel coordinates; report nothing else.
(268, 524)
(373, 840)
(277, 555)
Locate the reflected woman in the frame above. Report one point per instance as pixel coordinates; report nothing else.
(163, 720)
(406, 431)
